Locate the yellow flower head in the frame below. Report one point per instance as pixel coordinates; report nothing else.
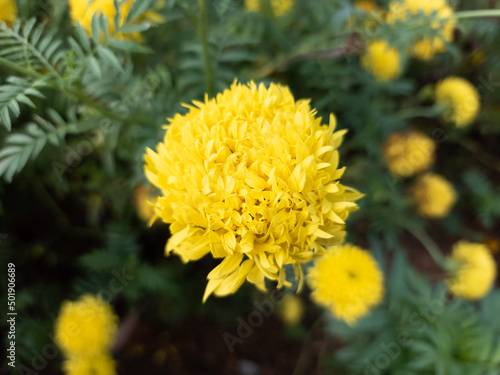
(96, 364)
(347, 281)
(143, 199)
(366, 5)
(407, 153)
(82, 11)
(476, 273)
(426, 48)
(85, 327)
(461, 98)
(381, 60)
(250, 176)
(8, 12)
(291, 309)
(433, 195)
(279, 7)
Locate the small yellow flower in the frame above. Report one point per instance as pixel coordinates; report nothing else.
(366, 5)
(461, 99)
(381, 60)
(426, 48)
(96, 364)
(476, 270)
(291, 309)
(144, 202)
(347, 281)
(407, 153)
(8, 12)
(252, 177)
(85, 327)
(279, 7)
(82, 11)
(434, 196)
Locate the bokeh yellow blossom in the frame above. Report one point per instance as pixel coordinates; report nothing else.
(460, 98)
(250, 177)
(279, 7)
(347, 281)
(427, 47)
(476, 270)
(96, 364)
(434, 196)
(407, 153)
(144, 198)
(381, 60)
(86, 326)
(8, 12)
(291, 309)
(82, 11)
(366, 5)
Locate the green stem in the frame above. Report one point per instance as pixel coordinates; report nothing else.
(477, 13)
(203, 32)
(428, 243)
(413, 112)
(20, 69)
(305, 352)
(479, 152)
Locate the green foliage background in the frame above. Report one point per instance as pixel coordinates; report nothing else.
(76, 114)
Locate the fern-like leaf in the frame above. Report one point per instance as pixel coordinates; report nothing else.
(29, 47)
(16, 91)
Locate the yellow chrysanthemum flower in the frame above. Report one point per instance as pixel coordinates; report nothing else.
(143, 198)
(461, 98)
(407, 153)
(83, 11)
(85, 327)
(97, 364)
(291, 309)
(8, 12)
(434, 195)
(279, 7)
(426, 48)
(250, 176)
(381, 60)
(347, 281)
(476, 270)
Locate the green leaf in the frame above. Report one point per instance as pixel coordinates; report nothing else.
(129, 46)
(137, 9)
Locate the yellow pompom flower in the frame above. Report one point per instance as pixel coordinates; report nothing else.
(279, 7)
(347, 281)
(8, 12)
(381, 60)
(476, 270)
(252, 177)
(291, 309)
(407, 153)
(85, 327)
(460, 98)
(434, 196)
(427, 47)
(96, 364)
(82, 11)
